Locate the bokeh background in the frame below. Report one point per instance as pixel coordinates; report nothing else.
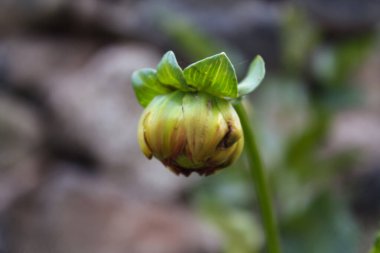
(72, 177)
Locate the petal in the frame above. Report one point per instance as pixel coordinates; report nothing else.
(165, 135)
(235, 131)
(141, 136)
(205, 126)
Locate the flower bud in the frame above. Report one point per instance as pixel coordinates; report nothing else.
(191, 132)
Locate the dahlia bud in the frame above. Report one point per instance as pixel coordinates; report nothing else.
(189, 123)
(191, 132)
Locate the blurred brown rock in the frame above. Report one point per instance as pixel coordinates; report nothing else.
(20, 142)
(29, 60)
(16, 14)
(113, 17)
(20, 129)
(344, 15)
(368, 80)
(96, 106)
(77, 214)
(357, 130)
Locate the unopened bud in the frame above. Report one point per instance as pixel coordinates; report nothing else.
(191, 132)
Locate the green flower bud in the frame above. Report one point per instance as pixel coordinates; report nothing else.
(191, 132)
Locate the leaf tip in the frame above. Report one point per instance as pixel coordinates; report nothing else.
(223, 55)
(169, 53)
(260, 59)
(254, 77)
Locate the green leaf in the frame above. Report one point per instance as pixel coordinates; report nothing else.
(325, 226)
(146, 85)
(376, 245)
(170, 73)
(255, 75)
(214, 75)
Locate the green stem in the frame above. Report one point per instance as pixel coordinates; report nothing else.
(259, 181)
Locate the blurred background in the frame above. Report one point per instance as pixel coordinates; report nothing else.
(72, 177)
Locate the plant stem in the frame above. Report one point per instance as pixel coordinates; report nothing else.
(259, 181)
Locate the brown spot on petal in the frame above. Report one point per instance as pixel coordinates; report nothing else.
(229, 138)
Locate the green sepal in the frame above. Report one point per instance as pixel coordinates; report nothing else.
(146, 85)
(170, 73)
(214, 75)
(255, 75)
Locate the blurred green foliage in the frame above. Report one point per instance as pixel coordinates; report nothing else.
(376, 245)
(225, 200)
(192, 41)
(299, 37)
(335, 63)
(325, 226)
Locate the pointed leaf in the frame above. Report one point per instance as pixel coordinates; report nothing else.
(214, 75)
(146, 85)
(170, 73)
(255, 75)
